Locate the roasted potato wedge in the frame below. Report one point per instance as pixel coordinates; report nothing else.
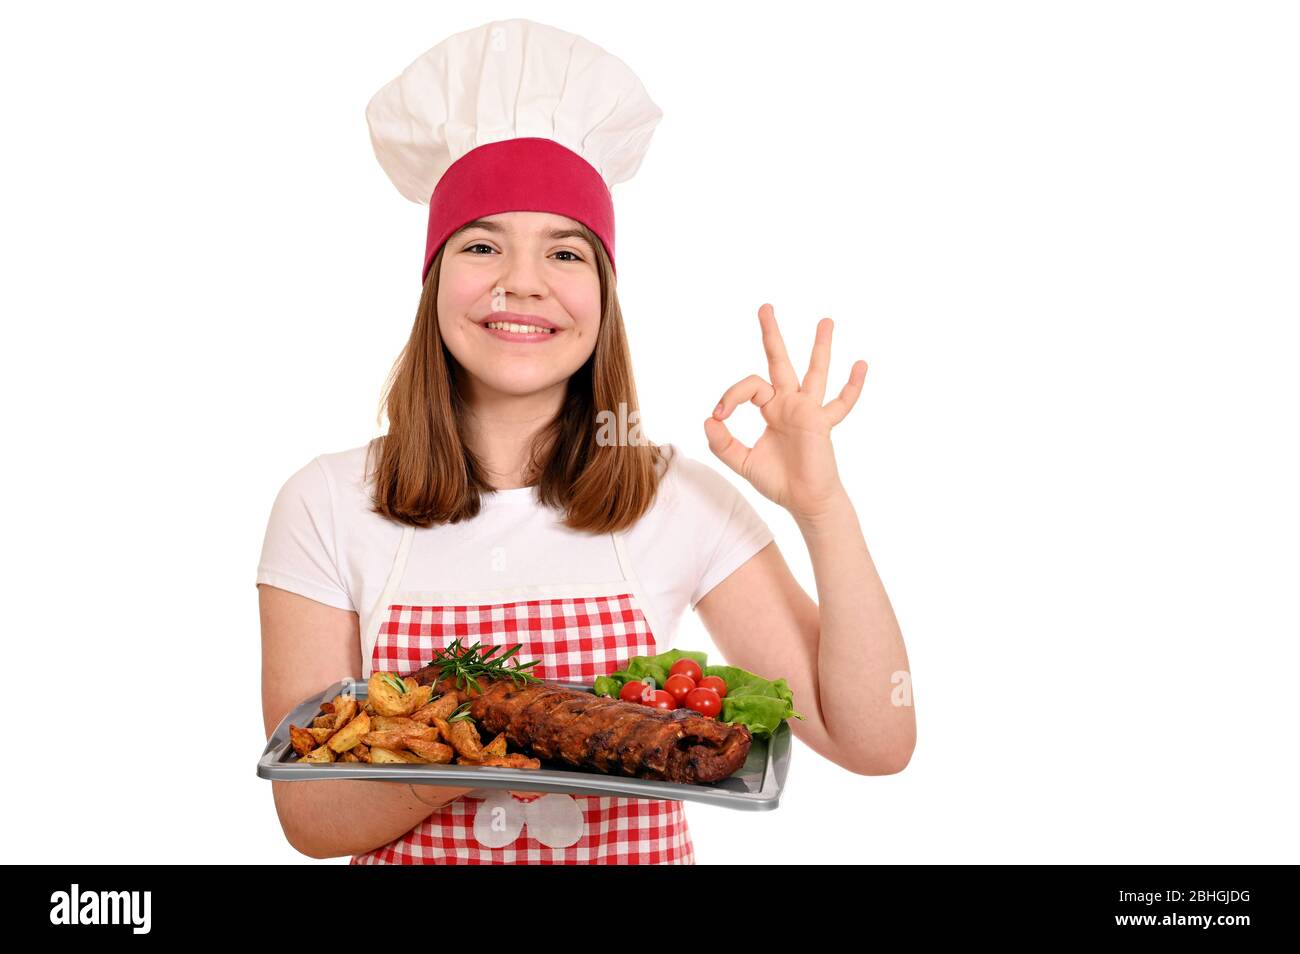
(436, 752)
(387, 699)
(351, 734)
(465, 739)
(448, 702)
(423, 695)
(439, 708)
(321, 754)
(394, 724)
(514, 760)
(302, 740)
(345, 708)
(394, 755)
(385, 740)
(443, 727)
(425, 733)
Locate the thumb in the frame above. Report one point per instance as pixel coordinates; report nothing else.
(724, 446)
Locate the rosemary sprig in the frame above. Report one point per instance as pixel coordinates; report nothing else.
(468, 664)
(393, 681)
(461, 713)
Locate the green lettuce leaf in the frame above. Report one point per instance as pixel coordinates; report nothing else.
(757, 703)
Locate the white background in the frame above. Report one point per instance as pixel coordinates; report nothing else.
(1064, 236)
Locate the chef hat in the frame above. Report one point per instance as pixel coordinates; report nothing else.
(512, 116)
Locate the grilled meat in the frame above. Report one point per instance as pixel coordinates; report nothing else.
(587, 731)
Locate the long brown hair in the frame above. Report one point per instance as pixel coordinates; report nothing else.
(425, 474)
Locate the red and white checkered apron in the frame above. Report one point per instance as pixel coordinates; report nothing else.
(577, 633)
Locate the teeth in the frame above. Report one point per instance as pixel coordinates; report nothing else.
(522, 329)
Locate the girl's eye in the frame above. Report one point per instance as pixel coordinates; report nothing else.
(565, 251)
(479, 245)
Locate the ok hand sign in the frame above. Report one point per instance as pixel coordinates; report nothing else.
(792, 462)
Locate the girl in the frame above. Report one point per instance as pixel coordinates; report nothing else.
(513, 500)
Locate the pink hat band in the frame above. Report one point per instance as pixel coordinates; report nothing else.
(527, 174)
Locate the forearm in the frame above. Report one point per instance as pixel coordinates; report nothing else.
(860, 647)
(336, 817)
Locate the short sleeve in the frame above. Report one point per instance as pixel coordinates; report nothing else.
(299, 552)
(729, 529)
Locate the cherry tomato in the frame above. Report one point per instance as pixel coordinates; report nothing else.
(687, 667)
(634, 691)
(706, 702)
(664, 700)
(715, 683)
(679, 685)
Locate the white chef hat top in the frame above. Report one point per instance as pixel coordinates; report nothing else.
(512, 115)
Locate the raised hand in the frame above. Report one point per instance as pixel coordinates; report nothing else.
(792, 462)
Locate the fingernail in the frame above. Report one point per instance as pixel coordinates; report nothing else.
(718, 409)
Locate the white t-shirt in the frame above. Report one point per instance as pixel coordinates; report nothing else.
(324, 542)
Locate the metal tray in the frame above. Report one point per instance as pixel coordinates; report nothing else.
(756, 786)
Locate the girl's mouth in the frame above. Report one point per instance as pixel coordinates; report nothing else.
(518, 331)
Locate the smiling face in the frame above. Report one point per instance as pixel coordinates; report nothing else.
(529, 270)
